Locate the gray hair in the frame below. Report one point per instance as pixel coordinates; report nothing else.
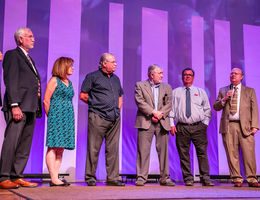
(151, 69)
(103, 58)
(19, 33)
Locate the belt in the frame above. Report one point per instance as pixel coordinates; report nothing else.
(192, 124)
(236, 121)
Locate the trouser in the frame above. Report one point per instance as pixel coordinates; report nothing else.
(234, 139)
(98, 129)
(144, 142)
(16, 145)
(198, 135)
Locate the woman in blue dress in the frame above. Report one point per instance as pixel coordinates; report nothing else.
(59, 110)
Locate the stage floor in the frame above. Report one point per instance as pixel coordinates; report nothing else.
(80, 191)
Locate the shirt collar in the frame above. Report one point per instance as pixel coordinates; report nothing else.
(25, 52)
(104, 73)
(238, 86)
(191, 87)
(152, 85)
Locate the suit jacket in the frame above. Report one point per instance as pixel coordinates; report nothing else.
(248, 110)
(21, 82)
(0, 97)
(145, 102)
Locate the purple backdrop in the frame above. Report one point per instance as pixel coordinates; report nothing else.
(210, 36)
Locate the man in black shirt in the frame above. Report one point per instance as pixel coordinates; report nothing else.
(102, 91)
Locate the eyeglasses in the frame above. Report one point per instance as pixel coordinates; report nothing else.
(111, 61)
(187, 74)
(235, 73)
(30, 37)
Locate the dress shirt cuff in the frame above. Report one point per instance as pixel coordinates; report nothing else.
(172, 122)
(14, 104)
(206, 122)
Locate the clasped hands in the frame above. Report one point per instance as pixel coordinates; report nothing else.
(253, 131)
(157, 115)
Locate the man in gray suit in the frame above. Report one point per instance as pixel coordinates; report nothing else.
(239, 123)
(153, 100)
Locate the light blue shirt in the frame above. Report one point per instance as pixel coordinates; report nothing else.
(200, 107)
(155, 89)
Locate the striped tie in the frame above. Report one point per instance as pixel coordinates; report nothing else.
(39, 83)
(233, 105)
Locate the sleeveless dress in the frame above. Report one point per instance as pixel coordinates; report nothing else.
(61, 122)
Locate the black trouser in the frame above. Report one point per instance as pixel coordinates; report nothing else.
(198, 135)
(16, 146)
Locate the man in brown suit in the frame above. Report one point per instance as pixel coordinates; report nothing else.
(239, 123)
(154, 101)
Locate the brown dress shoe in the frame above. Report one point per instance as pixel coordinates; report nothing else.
(25, 183)
(7, 184)
(188, 183)
(237, 184)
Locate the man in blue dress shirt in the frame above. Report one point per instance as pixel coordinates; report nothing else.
(191, 112)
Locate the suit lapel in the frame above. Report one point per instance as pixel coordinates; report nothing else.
(37, 73)
(27, 61)
(161, 93)
(242, 97)
(148, 88)
(226, 89)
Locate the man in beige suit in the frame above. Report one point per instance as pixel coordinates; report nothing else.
(154, 101)
(239, 123)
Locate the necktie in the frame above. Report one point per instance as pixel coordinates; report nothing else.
(39, 83)
(30, 61)
(233, 106)
(188, 103)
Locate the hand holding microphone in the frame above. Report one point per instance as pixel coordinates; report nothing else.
(229, 94)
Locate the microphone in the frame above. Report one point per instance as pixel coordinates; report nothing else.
(231, 88)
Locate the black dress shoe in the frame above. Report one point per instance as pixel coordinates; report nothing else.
(65, 182)
(255, 184)
(91, 183)
(207, 183)
(115, 183)
(53, 184)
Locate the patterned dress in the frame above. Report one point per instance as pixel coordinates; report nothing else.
(61, 123)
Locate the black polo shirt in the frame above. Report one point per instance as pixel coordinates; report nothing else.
(104, 93)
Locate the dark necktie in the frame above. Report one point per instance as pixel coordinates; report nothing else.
(188, 103)
(233, 106)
